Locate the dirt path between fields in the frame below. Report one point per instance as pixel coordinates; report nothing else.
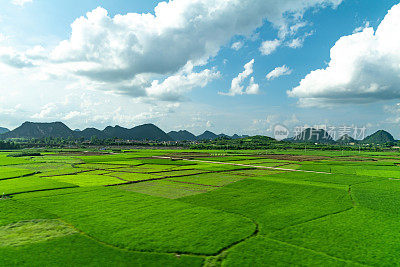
(242, 165)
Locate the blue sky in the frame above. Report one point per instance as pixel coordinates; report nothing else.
(179, 69)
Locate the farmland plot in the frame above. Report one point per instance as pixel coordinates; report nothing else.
(132, 208)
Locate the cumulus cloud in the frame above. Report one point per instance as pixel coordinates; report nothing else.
(173, 87)
(237, 45)
(364, 68)
(21, 2)
(279, 71)
(72, 115)
(13, 58)
(46, 111)
(268, 47)
(299, 41)
(118, 49)
(145, 55)
(253, 88)
(237, 87)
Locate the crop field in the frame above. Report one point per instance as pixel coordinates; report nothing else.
(200, 208)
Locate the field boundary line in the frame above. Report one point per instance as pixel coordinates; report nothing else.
(106, 244)
(165, 177)
(21, 176)
(182, 182)
(314, 251)
(243, 165)
(315, 219)
(40, 190)
(204, 256)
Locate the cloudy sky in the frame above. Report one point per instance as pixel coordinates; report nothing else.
(232, 66)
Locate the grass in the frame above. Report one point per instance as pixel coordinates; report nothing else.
(341, 179)
(150, 168)
(179, 173)
(26, 232)
(360, 235)
(78, 250)
(275, 205)
(43, 167)
(12, 211)
(380, 195)
(255, 172)
(215, 179)
(156, 161)
(148, 223)
(31, 183)
(346, 216)
(134, 176)
(87, 179)
(262, 251)
(7, 173)
(167, 189)
(5, 161)
(217, 167)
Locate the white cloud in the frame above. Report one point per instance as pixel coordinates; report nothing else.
(236, 86)
(299, 41)
(268, 47)
(149, 57)
(294, 28)
(21, 2)
(237, 45)
(173, 87)
(296, 43)
(46, 112)
(116, 50)
(279, 71)
(253, 88)
(13, 58)
(364, 68)
(72, 115)
(361, 28)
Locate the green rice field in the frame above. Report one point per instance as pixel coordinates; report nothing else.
(214, 208)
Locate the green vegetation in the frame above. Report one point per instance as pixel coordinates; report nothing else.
(26, 232)
(155, 224)
(78, 250)
(286, 204)
(24, 154)
(8, 172)
(28, 184)
(87, 179)
(201, 208)
(167, 188)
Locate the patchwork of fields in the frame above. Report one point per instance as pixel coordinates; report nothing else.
(200, 208)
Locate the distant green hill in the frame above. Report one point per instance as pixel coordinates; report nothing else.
(39, 130)
(3, 130)
(58, 129)
(207, 135)
(345, 139)
(380, 137)
(182, 136)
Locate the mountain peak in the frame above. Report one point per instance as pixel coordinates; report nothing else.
(379, 137)
(312, 135)
(182, 135)
(3, 130)
(207, 135)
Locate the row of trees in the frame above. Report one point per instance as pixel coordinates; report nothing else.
(250, 143)
(263, 142)
(8, 145)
